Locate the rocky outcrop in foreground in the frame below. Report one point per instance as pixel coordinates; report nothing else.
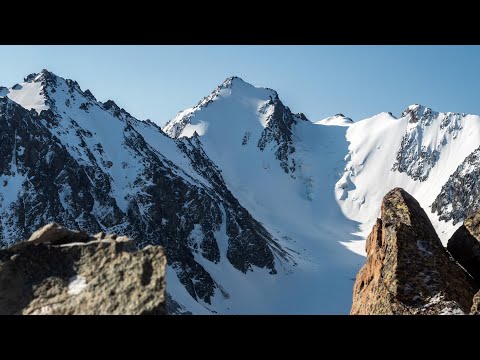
(408, 271)
(59, 271)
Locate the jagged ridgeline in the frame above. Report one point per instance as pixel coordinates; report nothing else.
(68, 158)
(260, 210)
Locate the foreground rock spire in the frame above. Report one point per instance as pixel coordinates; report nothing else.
(408, 271)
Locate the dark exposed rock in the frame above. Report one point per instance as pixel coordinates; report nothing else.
(343, 116)
(85, 106)
(408, 271)
(279, 129)
(113, 107)
(174, 308)
(89, 95)
(54, 273)
(460, 195)
(464, 245)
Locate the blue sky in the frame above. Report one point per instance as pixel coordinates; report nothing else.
(156, 82)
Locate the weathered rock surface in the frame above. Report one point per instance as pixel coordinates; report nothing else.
(59, 271)
(408, 271)
(476, 305)
(464, 245)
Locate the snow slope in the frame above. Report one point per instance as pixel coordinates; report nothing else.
(29, 95)
(337, 120)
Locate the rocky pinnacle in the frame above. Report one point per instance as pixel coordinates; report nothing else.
(408, 271)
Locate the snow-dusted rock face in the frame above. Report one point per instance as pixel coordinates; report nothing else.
(426, 134)
(460, 196)
(70, 159)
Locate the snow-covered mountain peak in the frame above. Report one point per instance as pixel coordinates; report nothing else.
(417, 112)
(337, 120)
(242, 87)
(425, 114)
(88, 94)
(427, 132)
(42, 76)
(228, 83)
(33, 92)
(236, 89)
(248, 118)
(254, 106)
(115, 110)
(45, 90)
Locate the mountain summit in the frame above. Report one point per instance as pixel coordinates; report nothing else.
(237, 109)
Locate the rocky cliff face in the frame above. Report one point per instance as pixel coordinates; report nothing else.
(408, 271)
(459, 196)
(63, 272)
(417, 155)
(464, 245)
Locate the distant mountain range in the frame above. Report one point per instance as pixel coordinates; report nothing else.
(260, 210)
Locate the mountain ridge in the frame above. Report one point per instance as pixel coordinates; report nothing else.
(258, 207)
(112, 172)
